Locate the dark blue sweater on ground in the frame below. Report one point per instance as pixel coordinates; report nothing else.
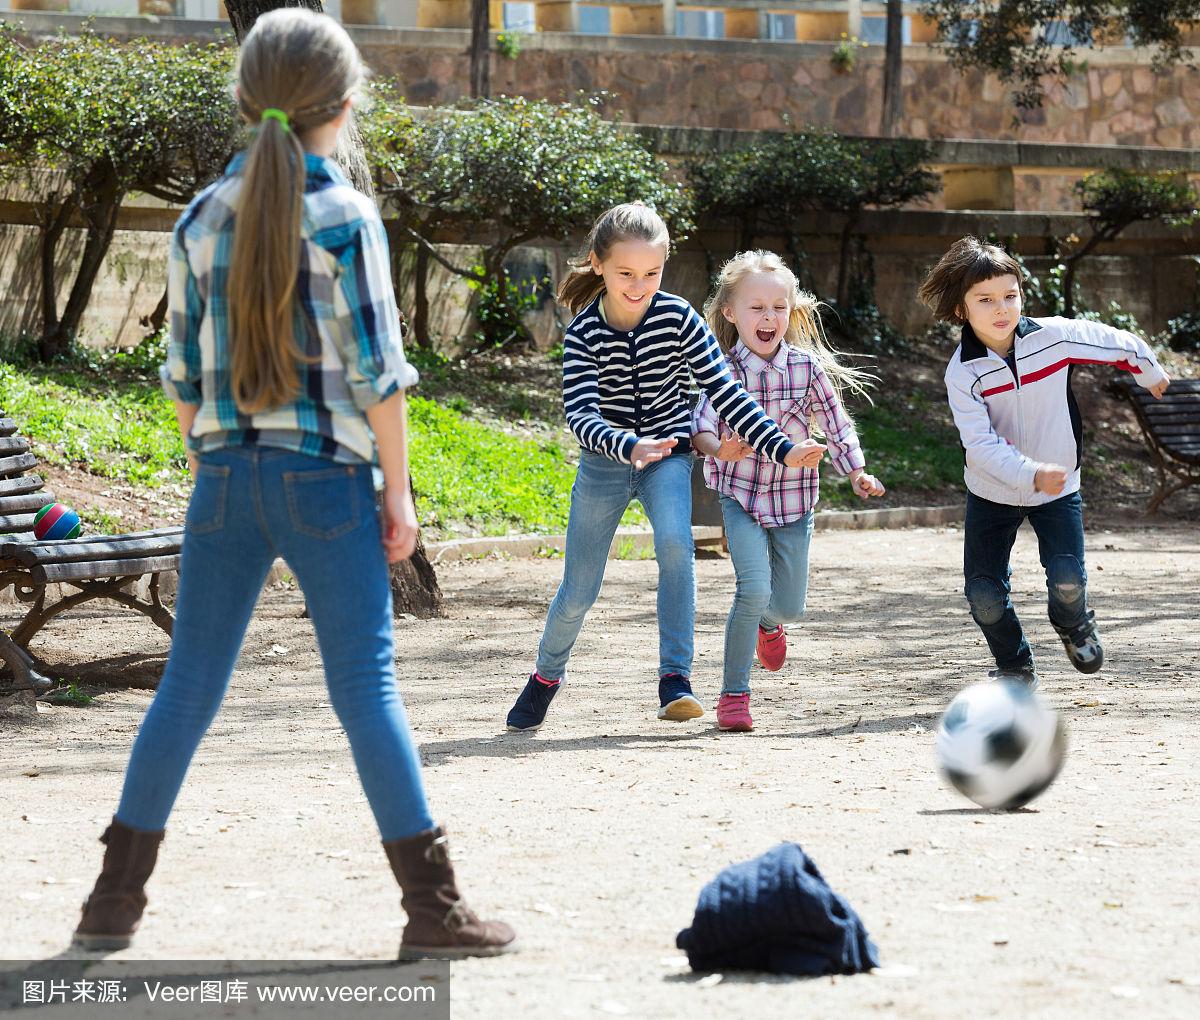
(776, 913)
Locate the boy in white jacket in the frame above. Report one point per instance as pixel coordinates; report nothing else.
(1009, 385)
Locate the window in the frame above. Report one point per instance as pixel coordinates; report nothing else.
(1059, 33)
(700, 24)
(874, 30)
(520, 17)
(781, 26)
(595, 20)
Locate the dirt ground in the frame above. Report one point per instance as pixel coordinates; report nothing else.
(595, 836)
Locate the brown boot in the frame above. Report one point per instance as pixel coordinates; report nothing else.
(440, 925)
(112, 913)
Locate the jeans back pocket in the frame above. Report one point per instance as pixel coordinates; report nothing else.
(206, 509)
(323, 504)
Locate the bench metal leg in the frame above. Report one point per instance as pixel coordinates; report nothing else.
(40, 614)
(25, 677)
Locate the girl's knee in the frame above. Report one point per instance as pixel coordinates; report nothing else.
(752, 597)
(674, 546)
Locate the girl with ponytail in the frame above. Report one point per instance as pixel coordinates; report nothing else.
(288, 375)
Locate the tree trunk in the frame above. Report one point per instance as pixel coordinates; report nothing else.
(893, 95)
(415, 586)
(421, 297)
(52, 227)
(157, 318)
(481, 58)
(105, 207)
(843, 281)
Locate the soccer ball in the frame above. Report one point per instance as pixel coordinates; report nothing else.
(999, 744)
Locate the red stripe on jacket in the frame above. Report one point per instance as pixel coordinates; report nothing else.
(1058, 366)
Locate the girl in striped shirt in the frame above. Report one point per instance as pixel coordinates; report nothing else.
(628, 355)
(774, 343)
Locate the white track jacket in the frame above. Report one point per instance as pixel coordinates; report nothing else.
(1011, 423)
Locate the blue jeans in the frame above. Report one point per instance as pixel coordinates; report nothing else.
(989, 533)
(602, 491)
(771, 565)
(251, 504)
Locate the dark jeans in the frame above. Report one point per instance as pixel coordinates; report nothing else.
(990, 530)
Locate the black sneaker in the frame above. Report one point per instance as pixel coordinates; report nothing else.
(529, 712)
(1083, 645)
(1025, 676)
(676, 701)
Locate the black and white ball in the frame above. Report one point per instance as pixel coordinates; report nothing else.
(999, 744)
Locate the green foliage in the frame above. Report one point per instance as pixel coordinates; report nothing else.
(106, 119)
(512, 170)
(499, 306)
(70, 696)
(845, 53)
(1118, 197)
(1009, 37)
(120, 430)
(814, 170)
(1183, 333)
(910, 444)
(508, 44)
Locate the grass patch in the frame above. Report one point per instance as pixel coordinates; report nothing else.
(120, 429)
(469, 475)
(907, 447)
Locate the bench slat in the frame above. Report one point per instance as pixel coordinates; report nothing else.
(12, 445)
(18, 522)
(33, 501)
(7, 426)
(15, 465)
(106, 547)
(20, 484)
(50, 573)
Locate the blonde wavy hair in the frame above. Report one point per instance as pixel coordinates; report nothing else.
(305, 65)
(804, 329)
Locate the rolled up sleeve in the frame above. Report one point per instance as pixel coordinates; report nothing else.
(181, 373)
(375, 364)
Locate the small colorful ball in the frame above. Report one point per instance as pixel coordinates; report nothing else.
(54, 522)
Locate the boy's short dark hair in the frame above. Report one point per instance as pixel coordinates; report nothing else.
(968, 262)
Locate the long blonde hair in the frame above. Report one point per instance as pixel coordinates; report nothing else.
(305, 65)
(633, 221)
(804, 329)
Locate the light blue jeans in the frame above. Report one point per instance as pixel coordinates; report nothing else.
(603, 489)
(251, 504)
(771, 565)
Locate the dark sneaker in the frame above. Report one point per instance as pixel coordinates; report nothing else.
(529, 712)
(1024, 676)
(676, 701)
(1083, 645)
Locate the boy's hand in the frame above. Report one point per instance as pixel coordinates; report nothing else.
(648, 451)
(399, 524)
(865, 485)
(733, 448)
(807, 454)
(1050, 479)
(1158, 389)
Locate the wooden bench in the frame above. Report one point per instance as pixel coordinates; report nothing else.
(96, 566)
(1172, 430)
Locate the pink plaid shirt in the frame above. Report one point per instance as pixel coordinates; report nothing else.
(793, 389)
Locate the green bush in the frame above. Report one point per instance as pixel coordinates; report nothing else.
(107, 119)
(766, 186)
(510, 170)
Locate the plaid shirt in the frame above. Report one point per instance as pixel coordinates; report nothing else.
(793, 389)
(346, 321)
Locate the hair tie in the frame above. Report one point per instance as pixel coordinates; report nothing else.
(271, 113)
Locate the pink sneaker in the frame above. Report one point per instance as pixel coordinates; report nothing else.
(733, 713)
(771, 648)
